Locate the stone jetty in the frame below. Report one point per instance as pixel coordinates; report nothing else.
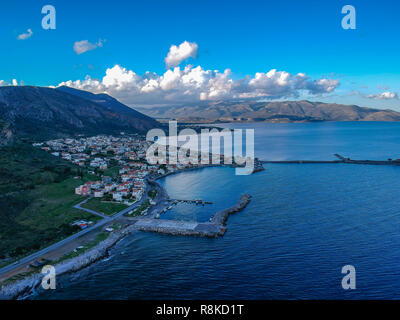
(341, 159)
(214, 228)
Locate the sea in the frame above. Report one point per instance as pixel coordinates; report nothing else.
(305, 222)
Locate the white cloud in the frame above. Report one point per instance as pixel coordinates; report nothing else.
(177, 54)
(84, 46)
(14, 82)
(387, 95)
(194, 84)
(24, 36)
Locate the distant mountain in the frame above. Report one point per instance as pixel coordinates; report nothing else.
(108, 102)
(37, 112)
(283, 111)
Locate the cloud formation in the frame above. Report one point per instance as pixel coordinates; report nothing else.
(387, 95)
(189, 84)
(14, 83)
(193, 84)
(24, 36)
(179, 53)
(84, 46)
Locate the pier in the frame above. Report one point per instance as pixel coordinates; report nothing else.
(196, 201)
(341, 159)
(183, 228)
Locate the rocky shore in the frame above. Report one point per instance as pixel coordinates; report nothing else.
(26, 286)
(216, 227)
(221, 217)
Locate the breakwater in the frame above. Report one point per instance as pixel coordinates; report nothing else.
(214, 228)
(341, 159)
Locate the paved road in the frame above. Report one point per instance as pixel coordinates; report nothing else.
(59, 244)
(78, 206)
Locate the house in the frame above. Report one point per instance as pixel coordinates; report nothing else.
(66, 156)
(125, 177)
(108, 187)
(137, 193)
(117, 196)
(98, 193)
(83, 224)
(82, 190)
(139, 184)
(94, 164)
(124, 192)
(93, 184)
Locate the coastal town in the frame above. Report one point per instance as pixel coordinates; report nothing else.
(118, 163)
(114, 182)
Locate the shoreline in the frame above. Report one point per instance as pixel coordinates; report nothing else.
(24, 288)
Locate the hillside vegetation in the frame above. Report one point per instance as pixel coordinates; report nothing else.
(37, 113)
(36, 199)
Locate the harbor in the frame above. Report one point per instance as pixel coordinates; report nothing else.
(214, 228)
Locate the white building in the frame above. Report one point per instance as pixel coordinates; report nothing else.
(117, 196)
(98, 193)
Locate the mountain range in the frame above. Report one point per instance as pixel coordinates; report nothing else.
(41, 113)
(38, 113)
(277, 111)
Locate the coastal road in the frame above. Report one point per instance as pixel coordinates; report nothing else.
(36, 255)
(161, 198)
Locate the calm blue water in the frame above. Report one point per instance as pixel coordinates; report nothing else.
(319, 141)
(304, 223)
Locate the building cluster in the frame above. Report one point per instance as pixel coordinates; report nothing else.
(119, 163)
(96, 151)
(99, 153)
(126, 187)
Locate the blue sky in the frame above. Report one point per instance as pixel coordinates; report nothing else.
(244, 36)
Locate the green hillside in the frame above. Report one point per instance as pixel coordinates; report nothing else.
(36, 199)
